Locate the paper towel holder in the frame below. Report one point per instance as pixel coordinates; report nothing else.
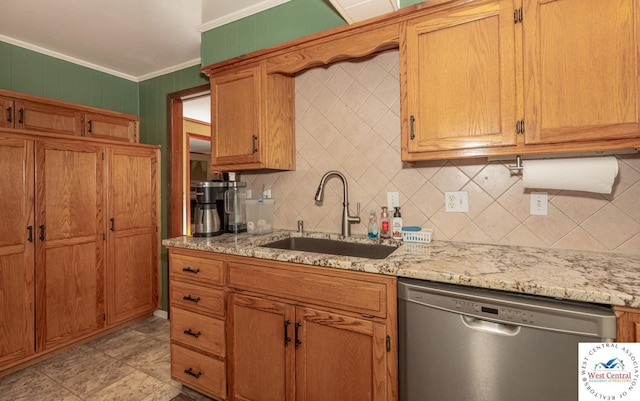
(518, 166)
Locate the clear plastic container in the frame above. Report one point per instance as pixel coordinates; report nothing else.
(259, 215)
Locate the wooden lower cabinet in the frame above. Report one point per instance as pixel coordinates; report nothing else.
(198, 327)
(628, 324)
(293, 332)
(286, 352)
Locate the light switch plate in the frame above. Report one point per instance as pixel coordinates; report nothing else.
(393, 200)
(457, 202)
(539, 203)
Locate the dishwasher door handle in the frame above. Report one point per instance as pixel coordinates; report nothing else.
(490, 327)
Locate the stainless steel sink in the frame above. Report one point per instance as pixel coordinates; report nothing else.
(332, 247)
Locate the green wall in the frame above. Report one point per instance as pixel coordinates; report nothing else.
(280, 24)
(153, 130)
(26, 71)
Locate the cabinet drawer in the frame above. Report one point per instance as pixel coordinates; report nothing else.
(197, 298)
(201, 332)
(196, 269)
(351, 294)
(201, 372)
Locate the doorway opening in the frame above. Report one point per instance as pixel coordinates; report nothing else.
(177, 157)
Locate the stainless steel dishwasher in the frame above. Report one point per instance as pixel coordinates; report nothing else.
(468, 344)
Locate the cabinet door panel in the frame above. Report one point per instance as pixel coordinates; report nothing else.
(460, 77)
(43, 117)
(70, 247)
(132, 272)
(16, 251)
(110, 127)
(73, 293)
(235, 108)
(581, 78)
(340, 358)
(261, 362)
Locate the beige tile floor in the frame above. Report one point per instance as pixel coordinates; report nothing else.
(132, 364)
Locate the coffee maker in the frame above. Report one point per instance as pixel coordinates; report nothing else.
(209, 208)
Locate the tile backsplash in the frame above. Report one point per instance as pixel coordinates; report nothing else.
(348, 119)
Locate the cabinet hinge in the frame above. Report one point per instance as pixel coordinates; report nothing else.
(388, 343)
(520, 127)
(517, 15)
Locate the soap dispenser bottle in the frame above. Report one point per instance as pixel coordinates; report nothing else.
(385, 225)
(396, 225)
(373, 225)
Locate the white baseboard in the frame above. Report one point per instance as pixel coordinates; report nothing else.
(161, 313)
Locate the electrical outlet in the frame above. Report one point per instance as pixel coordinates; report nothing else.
(456, 201)
(539, 203)
(393, 200)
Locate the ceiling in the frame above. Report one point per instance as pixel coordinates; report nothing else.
(132, 39)
(139, 39)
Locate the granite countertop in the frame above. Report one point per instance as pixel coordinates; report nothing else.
(599, 277)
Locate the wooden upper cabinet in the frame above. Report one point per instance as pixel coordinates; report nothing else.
(252, 120)
(110, 127)
(459, 79)
(581, 70)
(35, 116)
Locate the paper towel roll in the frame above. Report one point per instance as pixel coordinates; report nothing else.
(590, 174)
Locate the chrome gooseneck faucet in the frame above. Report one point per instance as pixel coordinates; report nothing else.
(347, 220)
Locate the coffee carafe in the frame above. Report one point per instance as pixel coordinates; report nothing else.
(206, 216)
(234, 197)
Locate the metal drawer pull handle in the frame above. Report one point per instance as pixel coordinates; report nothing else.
(191, 333)
(9, 114)
(287, 339)
(21, 118)
(192, 373)
(189, 269)
(30, 230)
(190, 298)
(298, 342)
(42, 232)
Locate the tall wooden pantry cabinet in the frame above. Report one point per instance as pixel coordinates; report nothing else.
(79, 239)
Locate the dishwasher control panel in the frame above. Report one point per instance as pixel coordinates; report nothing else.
(505, 314)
